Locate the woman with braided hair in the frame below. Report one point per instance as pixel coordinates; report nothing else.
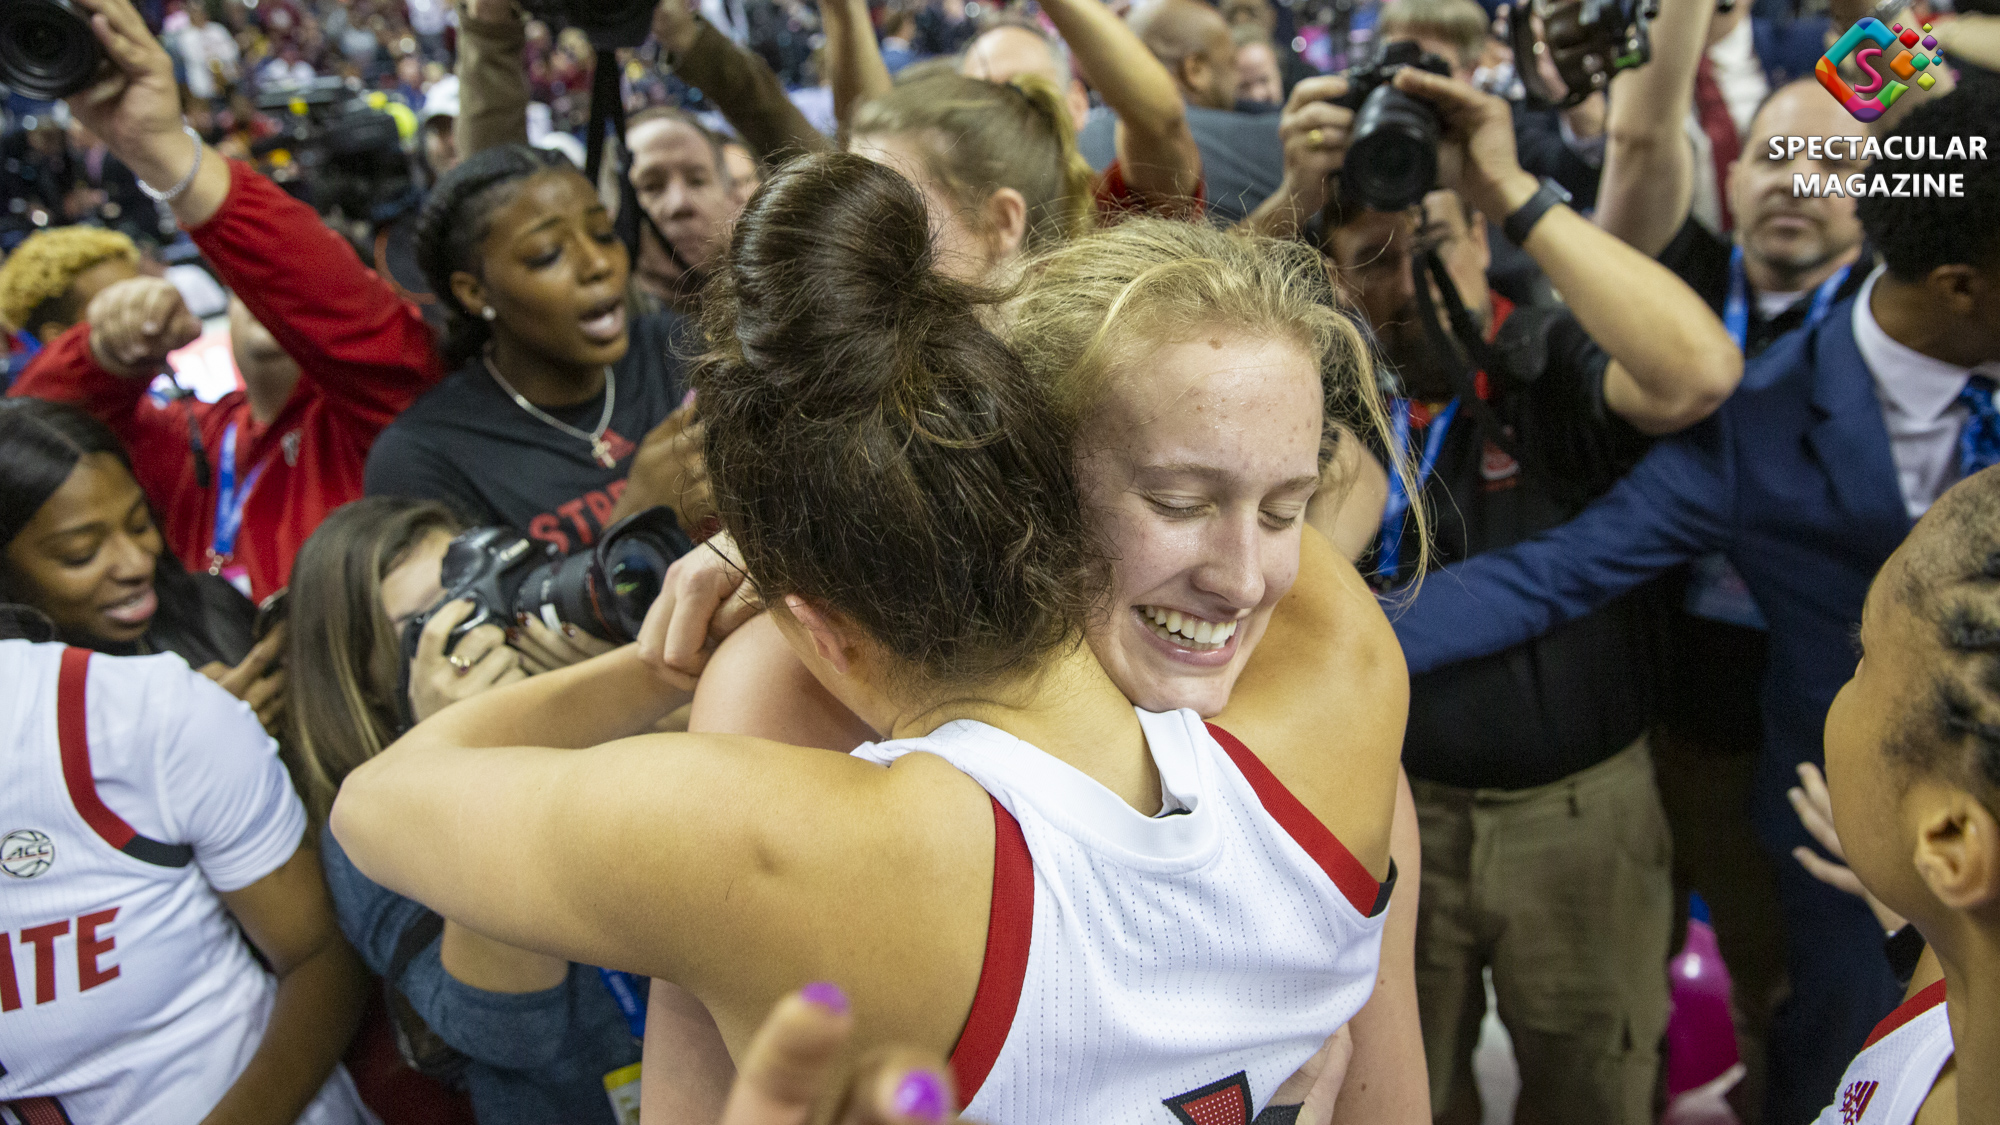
(561, 382)
(1913, 769)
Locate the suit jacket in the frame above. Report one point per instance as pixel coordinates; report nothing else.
(1792, 479)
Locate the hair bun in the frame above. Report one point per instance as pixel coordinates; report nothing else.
(832, 259)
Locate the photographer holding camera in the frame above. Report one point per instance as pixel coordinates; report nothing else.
(1531, 759)
(531, 1039)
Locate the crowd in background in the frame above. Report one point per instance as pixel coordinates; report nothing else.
(1659, 420)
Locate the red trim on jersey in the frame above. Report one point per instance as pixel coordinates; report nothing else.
(1347, 872)
(1010, 927)
(40, 1111)
(1908, 1010)
(73, 735)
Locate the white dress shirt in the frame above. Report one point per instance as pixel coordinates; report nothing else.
(1919, 397)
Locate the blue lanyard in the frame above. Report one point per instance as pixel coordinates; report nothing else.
(1389, 555)
(1736, 310)
(230, 499)
(628, 991)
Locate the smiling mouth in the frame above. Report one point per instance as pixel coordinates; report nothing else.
(1186, 630)
(134, 610)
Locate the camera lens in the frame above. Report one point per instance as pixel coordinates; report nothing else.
(607, 591)
(47, 49)
(1392, 161)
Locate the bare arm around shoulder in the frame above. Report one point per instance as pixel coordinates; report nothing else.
(1155, 146)
(1386, 1082)
(764, 865)
(1648, 180)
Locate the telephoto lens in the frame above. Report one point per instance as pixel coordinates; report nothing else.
(1393, 159)
(606, 591)
(47, 50)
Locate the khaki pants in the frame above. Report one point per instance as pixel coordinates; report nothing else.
(1564, 891)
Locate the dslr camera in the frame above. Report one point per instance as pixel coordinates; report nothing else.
(609, 23)
(47, 50)
(1583, 43)
(605, 591)
(1392, 156)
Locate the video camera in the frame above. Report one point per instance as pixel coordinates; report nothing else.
(1567, 50)
(604, 591)
(348, 152)
(1392, 159)
(47, 50)
(610, 24)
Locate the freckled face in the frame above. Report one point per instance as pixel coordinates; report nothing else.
(1200, 465)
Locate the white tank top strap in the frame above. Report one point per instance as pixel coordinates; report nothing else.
(1887, 1082)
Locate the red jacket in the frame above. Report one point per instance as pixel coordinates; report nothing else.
(363, 356)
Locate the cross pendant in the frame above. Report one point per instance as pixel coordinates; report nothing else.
(600, 450)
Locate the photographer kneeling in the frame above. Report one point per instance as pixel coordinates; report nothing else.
(1515, 418)
(531, 1038)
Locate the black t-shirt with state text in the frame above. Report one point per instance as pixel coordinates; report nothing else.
(469, 445)
(1540, 711)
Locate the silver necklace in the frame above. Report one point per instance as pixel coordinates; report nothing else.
(600, 449)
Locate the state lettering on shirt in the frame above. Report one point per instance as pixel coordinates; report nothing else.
(576, 524)
(92, 945)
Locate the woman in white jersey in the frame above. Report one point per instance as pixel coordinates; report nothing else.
(146, 829)
(906, 492)
(1191, 459)
(1913, 767)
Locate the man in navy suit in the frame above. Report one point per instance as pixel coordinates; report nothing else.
(1808, 478)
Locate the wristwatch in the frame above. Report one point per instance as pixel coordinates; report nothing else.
(1524, 218)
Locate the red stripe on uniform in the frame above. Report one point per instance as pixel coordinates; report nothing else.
(40, 1111)
(73, 735)
(1010, 927)
(1908, 1010)
(1347, 873)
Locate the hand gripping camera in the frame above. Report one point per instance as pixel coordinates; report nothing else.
(604, 591)
(1392, 159)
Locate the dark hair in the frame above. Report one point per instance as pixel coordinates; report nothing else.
(40, 445)
(1951, 582)
(457, 217)
(344, 659)
(1916, 236)
(873, 447)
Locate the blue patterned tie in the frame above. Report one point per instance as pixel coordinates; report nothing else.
(1979, 441)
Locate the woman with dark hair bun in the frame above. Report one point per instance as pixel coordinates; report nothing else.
(562, 387)
(1092, 908)
(78, 543)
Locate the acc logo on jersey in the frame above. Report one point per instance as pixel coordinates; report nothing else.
(26, 853)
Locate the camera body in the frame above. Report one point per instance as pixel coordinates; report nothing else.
(1392, 153)
(604, 591)
(1584, 43)
(609, 23)
(349, 153)
(47, 50)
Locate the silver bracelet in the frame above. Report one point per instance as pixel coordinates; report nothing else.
(179, 189)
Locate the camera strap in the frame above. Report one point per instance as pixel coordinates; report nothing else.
(1463, 350)
(607, 106)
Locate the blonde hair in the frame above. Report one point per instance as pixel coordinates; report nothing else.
(1106, 301)
(1462, 23)
(38, 275)
(979, 137)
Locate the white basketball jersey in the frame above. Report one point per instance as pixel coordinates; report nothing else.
(1888, 1081)
(131, 790)
(1153, 969)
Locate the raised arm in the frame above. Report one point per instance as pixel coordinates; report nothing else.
(1156, 149)
(854, 63)
(492, 74)
(1648, 182)
(1674, 506)
(1672, 363)
(737, 81)
(299, 278)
